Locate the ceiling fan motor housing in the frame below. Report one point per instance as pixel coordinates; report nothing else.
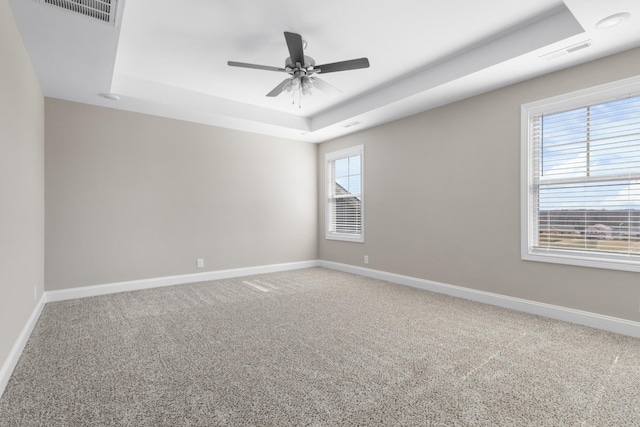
(309, 62)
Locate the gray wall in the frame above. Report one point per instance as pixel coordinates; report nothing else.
(131, 196)
(21, 184)
(442, 199)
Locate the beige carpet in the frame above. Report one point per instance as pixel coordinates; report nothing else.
(315, 347)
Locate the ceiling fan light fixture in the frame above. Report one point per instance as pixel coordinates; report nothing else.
(307, 84)
(612, 20)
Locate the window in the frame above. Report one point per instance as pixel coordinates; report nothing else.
(344, 217)
(581, 178)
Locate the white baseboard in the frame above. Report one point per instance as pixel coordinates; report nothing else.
(594, 320)
(16, 351)
(156, 282)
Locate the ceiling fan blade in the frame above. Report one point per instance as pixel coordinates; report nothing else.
(296, 50)
(352, 64)
(278, 89)
(326, 87)
(256, 66)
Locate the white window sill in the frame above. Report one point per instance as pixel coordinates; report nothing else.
(583, 259)
(357, 238)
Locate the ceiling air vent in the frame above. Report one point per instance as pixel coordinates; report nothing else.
(350, 124)
(565, 50)
(579, 46)
(102, 10)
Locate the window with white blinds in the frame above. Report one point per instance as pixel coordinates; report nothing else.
(582, 183)
(344, 214)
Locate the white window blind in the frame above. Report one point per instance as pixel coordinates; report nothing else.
(584, 181)
(344, 195)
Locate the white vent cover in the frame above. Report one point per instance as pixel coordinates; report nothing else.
(354, 123)
(565, 50)
(102, 10)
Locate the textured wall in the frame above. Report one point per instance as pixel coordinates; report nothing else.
(131, 196)
(442, 199)
(21, 184)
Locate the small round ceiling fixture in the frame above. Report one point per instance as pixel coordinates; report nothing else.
(110, 96)
(613, 20)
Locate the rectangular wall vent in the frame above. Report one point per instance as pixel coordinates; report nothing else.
(565, 50)
(102, 10)
(350, 124)
(579, 46)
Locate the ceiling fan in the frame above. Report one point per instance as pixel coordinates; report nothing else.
(303, 69)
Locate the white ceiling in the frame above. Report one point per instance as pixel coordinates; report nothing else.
(169, 57)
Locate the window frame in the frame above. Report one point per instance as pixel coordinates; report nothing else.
(330, 159)
(582, 98)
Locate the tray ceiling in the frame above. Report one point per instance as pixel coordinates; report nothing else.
(169, 58)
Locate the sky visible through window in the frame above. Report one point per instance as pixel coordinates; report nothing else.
(348, 174)
(592, 143)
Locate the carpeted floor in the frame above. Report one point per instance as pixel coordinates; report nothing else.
(315, 347)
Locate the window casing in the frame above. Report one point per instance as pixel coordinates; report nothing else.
(581, 178)
(344, 188)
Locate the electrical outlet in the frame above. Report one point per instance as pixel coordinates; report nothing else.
(366, 259)
(200, 263)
